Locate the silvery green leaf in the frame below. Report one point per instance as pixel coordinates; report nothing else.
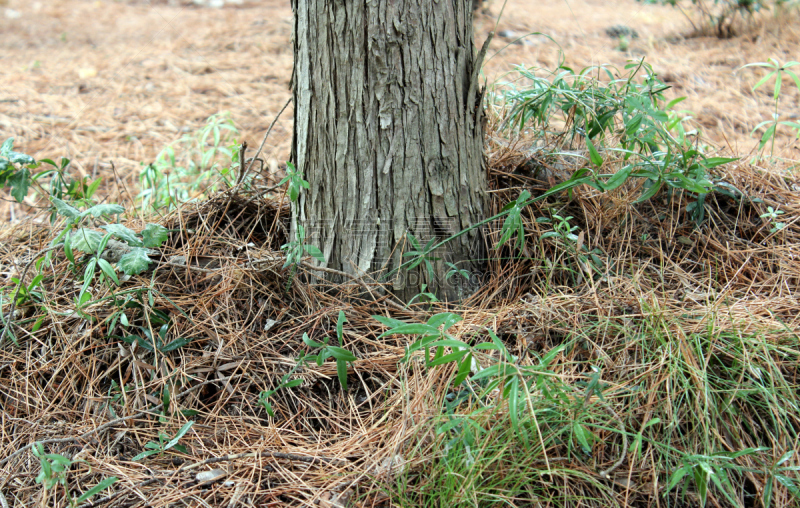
(154, 235)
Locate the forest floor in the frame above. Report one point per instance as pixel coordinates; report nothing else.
(694, 333)
(140, 76)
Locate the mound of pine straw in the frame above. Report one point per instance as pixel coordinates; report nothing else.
(220, 282)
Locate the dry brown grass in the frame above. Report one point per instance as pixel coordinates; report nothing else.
(55, 384)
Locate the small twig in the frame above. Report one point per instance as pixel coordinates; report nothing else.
(242, 170)
(10, 316)
(261, 147)
(604, 474)
(112, 423)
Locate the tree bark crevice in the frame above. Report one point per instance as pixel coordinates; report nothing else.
(388, 135)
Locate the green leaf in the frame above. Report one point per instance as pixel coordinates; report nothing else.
(464, 370)
(490, 371)
(788, 483)
(154, 235)
(5, 149)
(292, 383)
(135, 261)
(340, 325)
(88, 274)
(341, 354)
(311, 342)
(86, 240)
(676, 477)
(619, 178)
(594, 156)
(452, 343)
(341, 372)
(103, 243)
(124, 234)
(712, 162)
(701, 482)
(444, 319)
(37, 324)
(513, 403)
(175, 344)
(267, 407)
(68, 248)
(107, 269)
(315, 252)
(581, 434)
(786, 456)
(637, 441)
(412, 329)
(649, 193)
(448, 358)
(19, 183)
(145, 454)
(96, 489)
(183, 430)
(20, 158)
(103, 209)
(389, 322)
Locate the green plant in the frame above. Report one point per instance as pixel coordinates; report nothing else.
(15, 170)
(173, 179)
(779, 472)
(295, 249)
(341, 355)
(263, 397)
(420, 254)
(713, 468)
(30, 293)
(514, 381)
(141, 323)
(16, 173)
(115, 395)
(164, 443)
(423, 296)
(133, 248)
(772, 215)
(777, 71)
(54, 468)
(455, 270)
(296, 182)
(564, 233)
(626, 119)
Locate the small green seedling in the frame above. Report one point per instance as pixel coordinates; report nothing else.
(53, 472)
(341, 355)
(772, 215)
(153, 448)
(264, 396)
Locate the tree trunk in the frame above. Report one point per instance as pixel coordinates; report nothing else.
(388, 131)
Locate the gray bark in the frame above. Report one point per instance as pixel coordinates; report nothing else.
(389, 133)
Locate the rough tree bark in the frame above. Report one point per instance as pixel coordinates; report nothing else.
(389, 133)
